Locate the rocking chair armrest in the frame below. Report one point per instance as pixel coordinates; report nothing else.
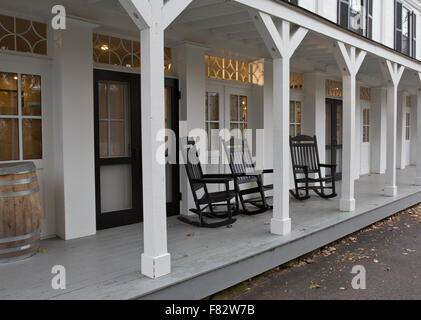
(213, 180)
(328, 165)
(268, 171)
(221, 176)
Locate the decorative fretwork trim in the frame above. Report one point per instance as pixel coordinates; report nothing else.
(122, 52)
(365, 93)
(227, 69)
(296, 81)
(334, 88)
(23, 35)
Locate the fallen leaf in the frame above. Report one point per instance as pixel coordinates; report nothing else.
(42, 251)
(314, 285)
(190, 234)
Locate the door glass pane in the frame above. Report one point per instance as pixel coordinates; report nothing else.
(117, 98)
(235, 130)
(8, 93)
(32, 139)
(292, 111)
(102, 101)
(103, 138)
(9, 139)
(214, 136)
(298, 112)
(213, 106)
(339, 124)
(114, 123)
(328, 124)
(117, 139)
(234, 107)
(116, 188)
(244, 109)
(31, 95)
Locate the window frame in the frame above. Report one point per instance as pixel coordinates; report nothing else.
(20, 117)
(366, 30)
(399, 7)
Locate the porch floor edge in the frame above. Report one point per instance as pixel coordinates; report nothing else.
(214, 281)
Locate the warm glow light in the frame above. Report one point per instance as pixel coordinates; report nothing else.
(104, 47)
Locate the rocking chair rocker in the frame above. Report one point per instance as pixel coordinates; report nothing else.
(305, 162)
(208, 200)
(244, 171)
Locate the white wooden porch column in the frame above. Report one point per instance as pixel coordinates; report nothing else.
(349, 61)
(152, 17)
(282, 45)
(418, 164)
(392, 73)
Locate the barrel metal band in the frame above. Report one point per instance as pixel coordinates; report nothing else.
(18, 258)
(20, 248)
(19, 194)
(17, 182)
(20, 238)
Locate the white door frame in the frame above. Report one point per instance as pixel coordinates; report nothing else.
(23, 64)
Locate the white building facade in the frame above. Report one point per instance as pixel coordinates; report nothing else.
(86, 103)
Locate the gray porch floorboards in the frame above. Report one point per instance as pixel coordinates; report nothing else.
(107, 265)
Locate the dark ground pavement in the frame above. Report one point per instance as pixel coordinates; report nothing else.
(390, 251)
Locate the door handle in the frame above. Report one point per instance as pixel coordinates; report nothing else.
(136, 153)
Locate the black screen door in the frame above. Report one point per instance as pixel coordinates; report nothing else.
(118, 155)
(172, 171)
(117, 149)
(334, 119)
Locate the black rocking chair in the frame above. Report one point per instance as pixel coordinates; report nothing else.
(207, 201)
(244, 170)
(307, 169)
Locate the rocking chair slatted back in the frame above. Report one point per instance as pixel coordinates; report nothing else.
(240, 159)
(304, 152)
(193, 167)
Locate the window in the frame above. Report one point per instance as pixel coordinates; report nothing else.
(227, 69)
(20, 117)
(408, 127)
(122, 52)
(23, 35)
(212, 120)
(295, 118)
(405, 29)
(333, 88)
(238, 116)
(366, 125)
(357, 16)
(296, 81)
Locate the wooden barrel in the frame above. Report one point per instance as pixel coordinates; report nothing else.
(20, 212)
